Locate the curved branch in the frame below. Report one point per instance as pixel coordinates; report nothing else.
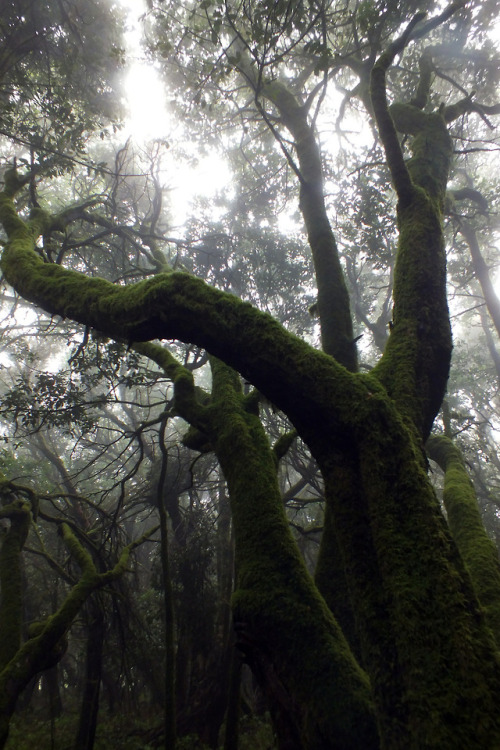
(388, 135)
(333, 299)
(179, 306)
(466, 106)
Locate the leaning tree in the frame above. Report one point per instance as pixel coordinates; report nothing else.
(394, 644)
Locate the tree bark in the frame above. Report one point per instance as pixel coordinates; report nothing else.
(89, 710)
(168, 604)
(275, 604)
(464, 519)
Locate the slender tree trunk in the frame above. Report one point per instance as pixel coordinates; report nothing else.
(333, 303)
(51, 678)
(168, 601)
(11, 579)
(231, 737)
(482, 273)
(89, 710)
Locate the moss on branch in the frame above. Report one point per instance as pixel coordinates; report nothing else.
(415, 364)
(178, 305)
(333, 304)
(464, 519)
(277, 609)
(46, 642)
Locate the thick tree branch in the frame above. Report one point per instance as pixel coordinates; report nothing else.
(424, 84)
(401, 177)
(433, 23)
(178, 306)
(466, 106)
(333, 299)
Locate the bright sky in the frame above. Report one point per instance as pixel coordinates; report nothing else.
(150, 119)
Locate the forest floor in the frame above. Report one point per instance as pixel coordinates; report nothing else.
(121, 732)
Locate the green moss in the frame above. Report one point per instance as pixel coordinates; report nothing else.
(46, 644)
(78, 552)
(12, 182)
(333, 305)
(464, 519)
(415, 365)
(330, 574)
(433, 666)
(424, 641)
(177, 305)
(277, 608)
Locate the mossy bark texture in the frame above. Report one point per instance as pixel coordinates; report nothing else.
(464, 519)
(424, 640)
(284, 628)
(320, 697)
(333, 298)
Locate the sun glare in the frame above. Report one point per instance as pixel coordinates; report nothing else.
(146, 103)
(149, 119)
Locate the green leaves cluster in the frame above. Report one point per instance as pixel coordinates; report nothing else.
(50, 400)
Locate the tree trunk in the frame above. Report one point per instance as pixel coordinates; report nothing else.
(420, 625)
(89, 710)
(168, 604)
(464, 519)
(231, 736)
(275, 603)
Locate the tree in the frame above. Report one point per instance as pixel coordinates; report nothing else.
(421, 668)
(22, 659)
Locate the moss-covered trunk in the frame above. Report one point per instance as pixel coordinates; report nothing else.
(432, 662)
(431, 659)
(333, 306)
(464, 519)
(318, 695)
(330, 574)
(424, 641)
